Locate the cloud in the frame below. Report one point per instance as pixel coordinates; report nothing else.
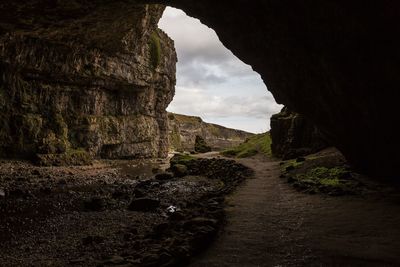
(211, 81)
(193, 101)
(202, 59)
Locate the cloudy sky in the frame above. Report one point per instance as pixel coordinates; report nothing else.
(211, 82)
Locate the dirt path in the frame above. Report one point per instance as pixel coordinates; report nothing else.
(271, 224)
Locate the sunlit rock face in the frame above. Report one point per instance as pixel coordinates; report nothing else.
(335, 62)
(79, 76)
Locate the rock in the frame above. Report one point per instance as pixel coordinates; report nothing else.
(94, 204)
(155, 170)
(177, 216)
(144, 204)
(179, 170)
(35, 172)
(138, 193)
(70, 158)
(17, 193)
(46, 190)
(200, 145)
(300, 159)
(164, 176)
(294, 136)
(89, 240)
(77, 261)
(114, 260)
(200, 221)
(90, 98)
(2, 193)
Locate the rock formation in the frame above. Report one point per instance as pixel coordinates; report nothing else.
(335, 62)
(95, 80)
(183, 131)
(293, 135)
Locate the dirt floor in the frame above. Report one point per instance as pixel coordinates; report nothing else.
(80, 216)
(269, 223)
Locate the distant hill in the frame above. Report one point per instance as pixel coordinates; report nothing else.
(259, 143)
(183, 130)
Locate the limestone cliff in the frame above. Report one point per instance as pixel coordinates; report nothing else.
(184, 129)
(63, 87)
(294, 135)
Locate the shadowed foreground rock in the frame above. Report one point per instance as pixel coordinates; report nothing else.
(293, 135)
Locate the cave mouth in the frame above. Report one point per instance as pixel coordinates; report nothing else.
(211, 81)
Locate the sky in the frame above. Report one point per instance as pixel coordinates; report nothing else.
(213, 83)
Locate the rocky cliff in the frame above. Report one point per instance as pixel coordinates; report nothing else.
(293, 135)
(183, 131)
(70, 82)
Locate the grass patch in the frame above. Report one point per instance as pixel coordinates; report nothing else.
(259, 143)
(182, 159)
(155, 50)
(333, 181)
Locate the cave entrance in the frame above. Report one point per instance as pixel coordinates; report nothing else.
(213, 83)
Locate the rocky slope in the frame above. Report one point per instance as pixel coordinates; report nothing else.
(184, 129)
(81, 84)
(293, 135)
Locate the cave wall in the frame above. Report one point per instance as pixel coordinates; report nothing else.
(336, 62)
(60, 93)
(293, 135)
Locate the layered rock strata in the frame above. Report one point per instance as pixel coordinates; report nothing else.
(65, 87)
(184, 130)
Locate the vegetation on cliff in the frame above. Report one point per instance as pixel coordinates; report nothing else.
(155, 50)
(260, 143)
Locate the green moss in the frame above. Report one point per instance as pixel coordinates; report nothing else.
(334, 181)
(155, 50)
(259, 143)
(182, 159)
(291, 164)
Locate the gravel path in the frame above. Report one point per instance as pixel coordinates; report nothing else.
(271, 224)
